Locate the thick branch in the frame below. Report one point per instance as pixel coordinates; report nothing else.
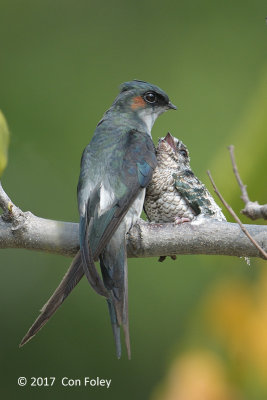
(24, 230)
(144, 239)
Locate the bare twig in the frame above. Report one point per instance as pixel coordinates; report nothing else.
(253, 209)
(231, 211)
(243, 187)
(11, 212)
(5, 202)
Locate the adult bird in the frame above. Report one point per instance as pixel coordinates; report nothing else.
(116, 167)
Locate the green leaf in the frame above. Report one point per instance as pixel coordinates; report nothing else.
(4, 140)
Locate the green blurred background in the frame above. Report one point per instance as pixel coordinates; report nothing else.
(198, 325)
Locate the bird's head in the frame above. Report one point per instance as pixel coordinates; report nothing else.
(172, 152)
(145, 100)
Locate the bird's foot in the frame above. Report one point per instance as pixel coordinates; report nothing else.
(162, 258)
(179, 220)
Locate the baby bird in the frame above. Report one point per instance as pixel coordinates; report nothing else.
(175, 194)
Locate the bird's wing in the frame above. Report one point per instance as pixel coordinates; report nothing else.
(100, 235)
(196, 194)
(104, 210)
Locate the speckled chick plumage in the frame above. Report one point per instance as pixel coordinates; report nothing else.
(175, 194)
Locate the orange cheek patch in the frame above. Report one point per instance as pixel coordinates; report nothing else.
(138, 102)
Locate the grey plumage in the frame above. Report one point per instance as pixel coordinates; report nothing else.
(116, 167)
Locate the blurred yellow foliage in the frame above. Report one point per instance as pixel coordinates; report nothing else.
(197, 375)
(237, 314)
(234, 314)
(4, 140)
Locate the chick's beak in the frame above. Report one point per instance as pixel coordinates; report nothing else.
(171, 106)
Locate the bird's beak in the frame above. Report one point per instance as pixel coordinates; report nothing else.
(170, 140)
(171, 106)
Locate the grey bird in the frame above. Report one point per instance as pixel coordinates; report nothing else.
(174, 193)
(116, 167)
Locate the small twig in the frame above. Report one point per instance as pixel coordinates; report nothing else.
(10, 211)
(243, 187)
(253, 209)
(231, 211)
(8, 207)
(5, 202)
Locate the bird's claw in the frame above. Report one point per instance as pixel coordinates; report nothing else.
(181, 220)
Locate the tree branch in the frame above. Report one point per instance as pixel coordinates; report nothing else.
(253, 209)
(24, 230)
(231, 211)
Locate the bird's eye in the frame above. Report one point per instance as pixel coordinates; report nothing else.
(183, 152)
(150, 97)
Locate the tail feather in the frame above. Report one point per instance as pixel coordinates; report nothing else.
(115, 327)
(68, 283)
(127, 339)
(88, 264)
(125, 313)
(113, 263)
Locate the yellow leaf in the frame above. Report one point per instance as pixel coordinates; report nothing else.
(4, 140)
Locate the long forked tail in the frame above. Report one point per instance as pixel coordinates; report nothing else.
(68, 283)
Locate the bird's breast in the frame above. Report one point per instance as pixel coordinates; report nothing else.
(163, 203)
